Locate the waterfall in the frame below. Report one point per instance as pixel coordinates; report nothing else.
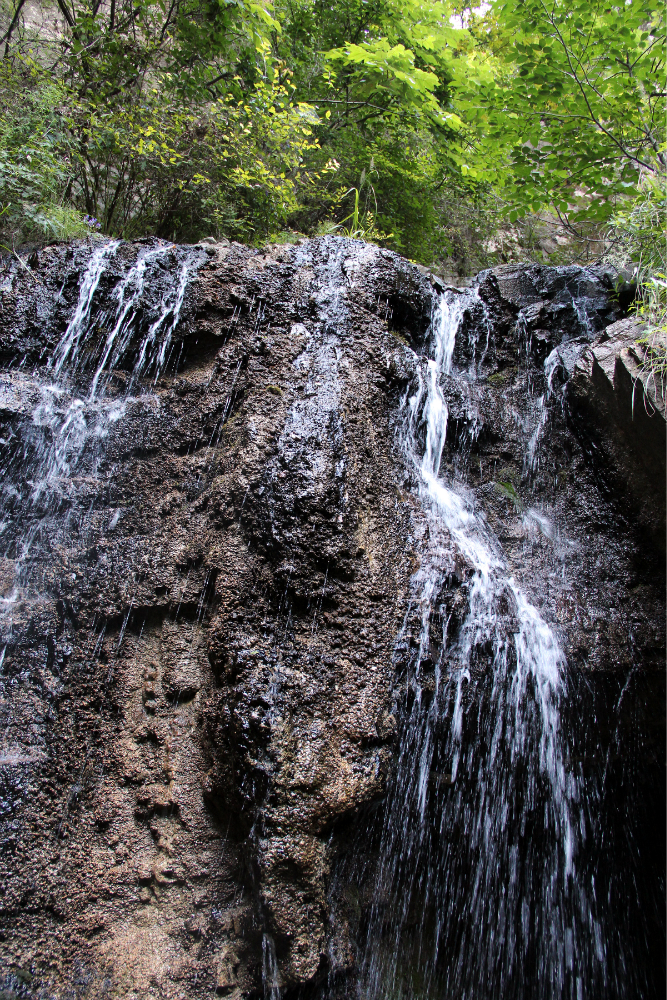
(311, 499)
(117, 336)
(478, 888)
(270, 974)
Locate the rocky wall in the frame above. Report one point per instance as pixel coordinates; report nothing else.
(199, 677)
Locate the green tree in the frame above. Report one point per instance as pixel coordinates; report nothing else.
(179, 117)
(379, 73)
(574, 116)
(165, 122)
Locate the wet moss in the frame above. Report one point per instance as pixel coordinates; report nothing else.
(502, 377)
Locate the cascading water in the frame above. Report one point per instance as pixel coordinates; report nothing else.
(249, 532)
(479, 890)
(270, 975)
(115, 338)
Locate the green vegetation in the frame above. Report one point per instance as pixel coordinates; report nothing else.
(502, 377)
(577, 105)
(423, 126)
(508, 491)
(34, 147)
(637, 236)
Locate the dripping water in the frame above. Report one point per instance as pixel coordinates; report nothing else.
(107, 361)
(270, 975)
(114, 348)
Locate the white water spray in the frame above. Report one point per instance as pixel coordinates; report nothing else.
(488, 722)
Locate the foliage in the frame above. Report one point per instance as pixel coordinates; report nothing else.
(637, 241)
(575, 114)
(402, 121)
(508, 491)
(653, 348)
(33, 162)
(362, 227)
(637, 234)
(164, 166)
(286, 237)
(652, 309)
(375, 70)
(139, 135)
(188, 46)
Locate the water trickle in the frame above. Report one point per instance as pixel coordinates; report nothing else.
(478, 890)
(270, 975)
(123, 333)
(78, 324)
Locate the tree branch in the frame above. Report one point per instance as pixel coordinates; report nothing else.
(593, 117)
(66, 14)
(15, 20)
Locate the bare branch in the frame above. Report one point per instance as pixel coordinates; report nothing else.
(66, 14)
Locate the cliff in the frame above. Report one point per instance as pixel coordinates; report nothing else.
(211, 537)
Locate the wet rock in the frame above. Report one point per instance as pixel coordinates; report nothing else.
(228, 971)
(182, 650)
(621, 409)
(554, 301)
(208, 642)
(231, 596)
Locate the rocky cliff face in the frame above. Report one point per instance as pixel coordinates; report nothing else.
(210, 536)
(620, 406)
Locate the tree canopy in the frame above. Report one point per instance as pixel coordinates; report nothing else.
(247, 118)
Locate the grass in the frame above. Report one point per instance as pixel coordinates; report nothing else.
(652, 346)
(286, 236)
(400, 337)
(360, 228)
(508, 491)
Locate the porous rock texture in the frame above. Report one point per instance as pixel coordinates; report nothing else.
(199, 681)
(531, 423)
(196, 686)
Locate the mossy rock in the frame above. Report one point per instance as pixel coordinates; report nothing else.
(508, 474)
(399, 336)
(502, 377)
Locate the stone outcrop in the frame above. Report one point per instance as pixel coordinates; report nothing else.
(201, 599)
(622, 406)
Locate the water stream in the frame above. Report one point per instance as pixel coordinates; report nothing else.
(478, 888)
(116, 345)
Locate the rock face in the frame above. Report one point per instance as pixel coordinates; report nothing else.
(622, 408)
(538, 428)
(208, 541)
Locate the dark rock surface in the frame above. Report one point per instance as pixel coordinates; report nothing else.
(570, 509)
(621, 405)
(202, 593)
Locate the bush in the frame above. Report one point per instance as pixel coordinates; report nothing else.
(637, 242)
(35, 161)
